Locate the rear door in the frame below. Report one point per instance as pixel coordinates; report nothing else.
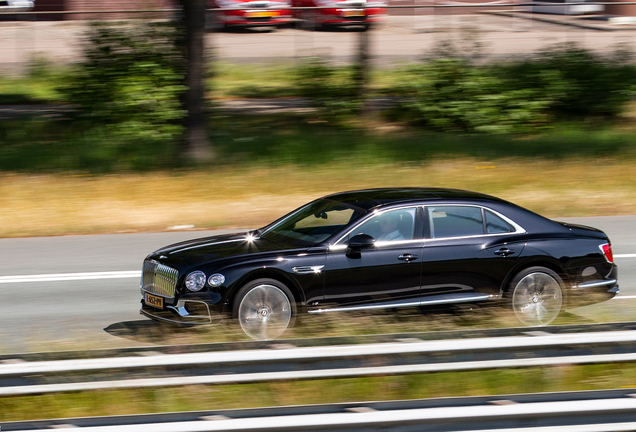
(469, 249)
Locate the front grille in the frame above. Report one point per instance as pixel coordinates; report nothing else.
(159, 279)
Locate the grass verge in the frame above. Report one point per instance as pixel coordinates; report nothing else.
(251, 196)
(192, 398)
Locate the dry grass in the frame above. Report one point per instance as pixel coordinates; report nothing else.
(35, 205)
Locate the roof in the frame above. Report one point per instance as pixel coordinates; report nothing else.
(369, 198)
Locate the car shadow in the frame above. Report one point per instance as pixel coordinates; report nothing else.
(146, 331)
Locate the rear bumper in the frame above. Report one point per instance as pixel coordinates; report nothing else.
(597, 290)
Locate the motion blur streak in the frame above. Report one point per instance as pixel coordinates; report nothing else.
(70, 276)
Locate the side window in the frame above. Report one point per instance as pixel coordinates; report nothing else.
(393, 225)
(455, 221)
(496, 225)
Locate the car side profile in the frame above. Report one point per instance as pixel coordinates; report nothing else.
(337, 13)
(224, 14)
(376, 249)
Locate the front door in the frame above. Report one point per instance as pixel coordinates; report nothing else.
(388, 271)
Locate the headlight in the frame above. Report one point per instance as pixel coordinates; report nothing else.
(216, 280)
(195, 281)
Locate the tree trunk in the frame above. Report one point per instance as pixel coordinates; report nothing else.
(363, 70)
(196, 147)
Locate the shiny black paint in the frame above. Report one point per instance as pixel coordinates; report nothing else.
(373, 275)
(378, 274)
(469, 264)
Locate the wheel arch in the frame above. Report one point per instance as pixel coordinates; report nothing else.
(266, 273)
(549, 264)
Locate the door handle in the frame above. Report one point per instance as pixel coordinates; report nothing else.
(407, 257)
(504, 252)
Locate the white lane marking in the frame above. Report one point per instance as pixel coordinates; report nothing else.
(625, 256)
(620, 297)
(70, 276)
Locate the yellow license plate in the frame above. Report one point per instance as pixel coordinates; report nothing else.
(154, 301)
(260, 14)
(350, 13)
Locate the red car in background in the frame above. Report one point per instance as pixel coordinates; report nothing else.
(248, 13)
(340, 13)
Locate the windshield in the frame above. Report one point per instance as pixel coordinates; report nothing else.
(313, 223)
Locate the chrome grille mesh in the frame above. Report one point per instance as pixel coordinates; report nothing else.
(159, 279)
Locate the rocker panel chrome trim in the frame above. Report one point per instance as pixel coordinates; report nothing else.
(429, 300)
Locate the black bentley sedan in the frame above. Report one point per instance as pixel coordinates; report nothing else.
(381, 248)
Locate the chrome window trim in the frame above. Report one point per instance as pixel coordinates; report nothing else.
(336, 245)
(518, 228)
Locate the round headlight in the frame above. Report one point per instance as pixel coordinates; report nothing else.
(216, 280)
(195, 280)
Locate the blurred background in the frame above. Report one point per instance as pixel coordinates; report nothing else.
(517, 100)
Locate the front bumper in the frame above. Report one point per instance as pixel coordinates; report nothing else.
(189, 310)
(345, 17)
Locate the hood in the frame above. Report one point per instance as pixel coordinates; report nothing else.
(207, 249)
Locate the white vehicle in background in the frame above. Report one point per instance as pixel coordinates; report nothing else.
(16, 5)
(564, 7)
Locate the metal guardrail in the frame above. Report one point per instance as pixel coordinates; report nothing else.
(591, 411)
(285, 362)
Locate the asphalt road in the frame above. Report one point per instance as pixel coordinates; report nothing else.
(398, 39)
(43, 306)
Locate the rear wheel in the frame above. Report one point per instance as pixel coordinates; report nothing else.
(537, 296)
(264, 308)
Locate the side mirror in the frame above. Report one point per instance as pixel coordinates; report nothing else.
(361, 241)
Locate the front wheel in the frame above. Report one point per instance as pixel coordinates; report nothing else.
(264, 308)
(537, 296)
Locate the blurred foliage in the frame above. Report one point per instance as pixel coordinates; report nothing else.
(38, 85)
(451, 93)
(581, 82)
(128, 91)
(44, 145)
(331, 89)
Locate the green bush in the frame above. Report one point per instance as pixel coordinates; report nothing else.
(451, 94)
(127, 91)
(331, 89)
(588, 84)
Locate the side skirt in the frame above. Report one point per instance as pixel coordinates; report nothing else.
(424, 301)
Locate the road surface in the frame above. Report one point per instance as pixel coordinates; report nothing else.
(43, 306)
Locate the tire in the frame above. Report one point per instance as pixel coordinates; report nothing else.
(264, 308)
(537, 296)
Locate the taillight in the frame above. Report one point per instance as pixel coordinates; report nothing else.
(607, 251)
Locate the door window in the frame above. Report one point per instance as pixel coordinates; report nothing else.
(455, 221)
(393, 225)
